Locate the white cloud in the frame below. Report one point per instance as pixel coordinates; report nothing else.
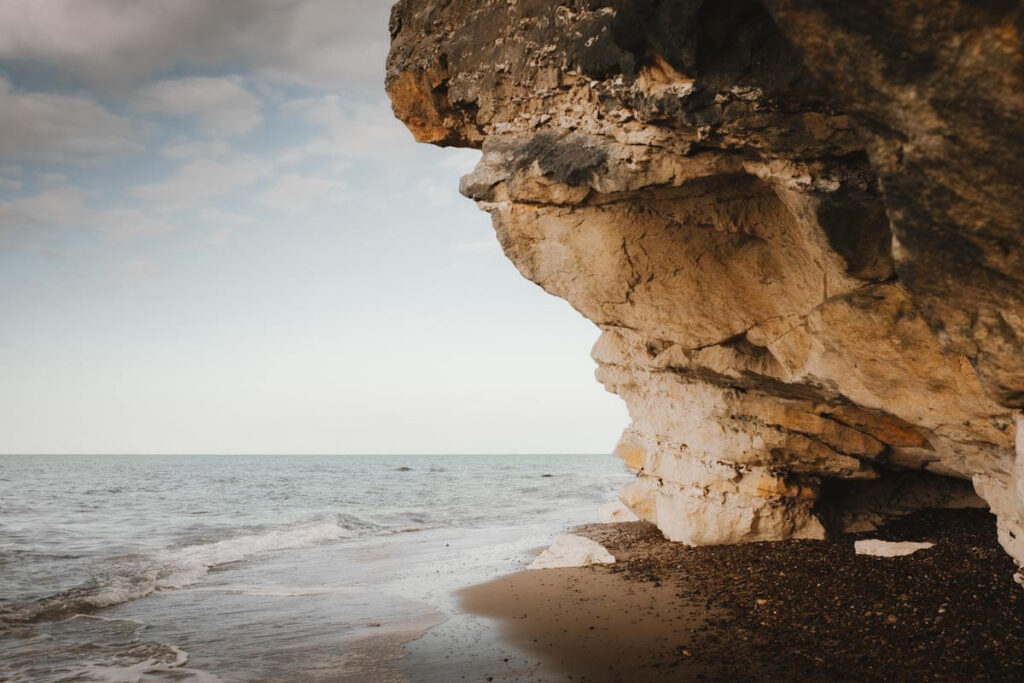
(25, 219)
(59, 206)
(113, 44)
(351, 130)
(202, 179)
(332, 41)
(295, 193)
(224, 106)
(120, 225)
(10, 184)
(222, 224)
(195, 149)
(49, 127)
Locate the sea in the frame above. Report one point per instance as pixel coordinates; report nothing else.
(263, 568)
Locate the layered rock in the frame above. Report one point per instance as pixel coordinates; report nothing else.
(797, 223)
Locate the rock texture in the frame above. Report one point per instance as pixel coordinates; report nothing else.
(571, 550)
(797, 224)
(877, 548)
(615, 512)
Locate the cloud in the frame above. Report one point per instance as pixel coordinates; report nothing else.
(59, 206)
(120, 225)
(223, 105)
(332, 41)
(10, 184)
(202, 179)
(222, 224)
(295, 193)
(113, 44)
(25, 219)
(351, 130)
(195, 149)
(51, 128)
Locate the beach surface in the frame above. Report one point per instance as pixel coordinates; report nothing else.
(795, 610)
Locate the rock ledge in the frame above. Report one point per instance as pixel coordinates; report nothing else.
(797, 224)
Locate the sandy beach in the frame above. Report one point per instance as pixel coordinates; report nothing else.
(798, 610)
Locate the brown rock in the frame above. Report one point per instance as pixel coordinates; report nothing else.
(797, 224)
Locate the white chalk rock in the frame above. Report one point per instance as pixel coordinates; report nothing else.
(572, 551)
(877, 548)
(615, 511)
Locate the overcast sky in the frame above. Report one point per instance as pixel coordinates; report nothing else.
(215, 238)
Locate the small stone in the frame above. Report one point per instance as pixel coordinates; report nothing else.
(878, 548)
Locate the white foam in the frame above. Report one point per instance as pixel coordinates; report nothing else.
(192, 562)
(284, 592)
(95, 617)
(162, 659)
(176, 568)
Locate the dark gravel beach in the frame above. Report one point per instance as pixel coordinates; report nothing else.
(794, 610)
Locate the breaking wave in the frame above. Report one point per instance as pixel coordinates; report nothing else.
(138, 576)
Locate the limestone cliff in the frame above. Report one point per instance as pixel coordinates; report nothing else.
(797, 224)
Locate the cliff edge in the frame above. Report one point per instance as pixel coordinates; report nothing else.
(798, 225)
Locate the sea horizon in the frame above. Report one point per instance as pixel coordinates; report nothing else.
(117, 565)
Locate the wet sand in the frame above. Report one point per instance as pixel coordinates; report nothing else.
(796, 610)
(592, 624)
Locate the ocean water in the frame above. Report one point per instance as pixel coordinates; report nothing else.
(232, 568)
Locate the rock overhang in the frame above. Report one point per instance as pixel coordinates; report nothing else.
(796, 223)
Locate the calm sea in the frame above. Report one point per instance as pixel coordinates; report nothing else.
(146, 568)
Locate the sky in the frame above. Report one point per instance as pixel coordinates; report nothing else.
(215, 238)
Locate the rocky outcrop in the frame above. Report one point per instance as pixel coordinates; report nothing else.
(797, 224)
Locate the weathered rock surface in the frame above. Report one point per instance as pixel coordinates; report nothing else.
(878, 548)
(615, 512)
(571, 550)
(797, 223)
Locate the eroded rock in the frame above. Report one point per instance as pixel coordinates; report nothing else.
(877, 548)
(571, 550)
(797, 224)
(614, 512)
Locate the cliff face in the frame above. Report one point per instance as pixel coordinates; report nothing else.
(797, 223)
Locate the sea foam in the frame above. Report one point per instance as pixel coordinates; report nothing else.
(172, 568)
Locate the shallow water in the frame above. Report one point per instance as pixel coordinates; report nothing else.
(131, 568)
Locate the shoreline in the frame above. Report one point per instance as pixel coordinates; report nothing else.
(807, 610)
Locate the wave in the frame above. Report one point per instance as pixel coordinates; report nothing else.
(142, 575)
(141, 662)
(284, 592)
